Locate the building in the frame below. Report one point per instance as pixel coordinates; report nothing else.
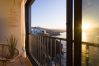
(38, 31)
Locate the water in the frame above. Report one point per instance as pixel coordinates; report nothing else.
(62, 35)
(63, 56)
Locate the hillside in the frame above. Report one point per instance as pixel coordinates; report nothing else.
(50, 30)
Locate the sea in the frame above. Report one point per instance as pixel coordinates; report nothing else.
(62, 35)
(63, 56)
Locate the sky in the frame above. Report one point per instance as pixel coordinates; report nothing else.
(49, 14)
(52, 13)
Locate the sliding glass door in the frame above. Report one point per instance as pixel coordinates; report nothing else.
(41, 51)
(90, 32)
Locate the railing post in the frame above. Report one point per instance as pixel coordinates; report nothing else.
(40, 50)
(37, 48)
(44, 50)
(60, 49)
(51, 48)
(87, 55)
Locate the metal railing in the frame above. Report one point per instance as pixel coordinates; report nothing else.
(50, 51)
(47, 51)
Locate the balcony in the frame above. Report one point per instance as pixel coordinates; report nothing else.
(48, 51)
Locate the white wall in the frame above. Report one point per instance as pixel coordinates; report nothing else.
(23, 24)
(13, 16)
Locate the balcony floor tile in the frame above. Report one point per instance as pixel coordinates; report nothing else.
(24, 62)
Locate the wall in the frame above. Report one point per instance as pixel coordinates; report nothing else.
(12, 17)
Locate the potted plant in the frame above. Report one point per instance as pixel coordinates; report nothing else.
(12, 46)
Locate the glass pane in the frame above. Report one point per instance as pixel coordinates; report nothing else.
(48, 32)
(90, 33)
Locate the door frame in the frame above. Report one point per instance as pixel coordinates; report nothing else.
(77, 32)
(73, 56)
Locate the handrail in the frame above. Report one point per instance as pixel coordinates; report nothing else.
(84, 43)
(55, 37)
(91, 44)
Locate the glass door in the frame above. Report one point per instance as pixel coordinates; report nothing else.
(90, 32)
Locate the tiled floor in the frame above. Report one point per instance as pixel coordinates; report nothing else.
(24, 62)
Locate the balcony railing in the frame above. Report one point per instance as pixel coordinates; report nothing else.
(51, 51)
(48, 51)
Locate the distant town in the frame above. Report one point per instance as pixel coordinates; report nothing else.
(46, 31)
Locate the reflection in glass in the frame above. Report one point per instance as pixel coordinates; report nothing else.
(90, 32)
